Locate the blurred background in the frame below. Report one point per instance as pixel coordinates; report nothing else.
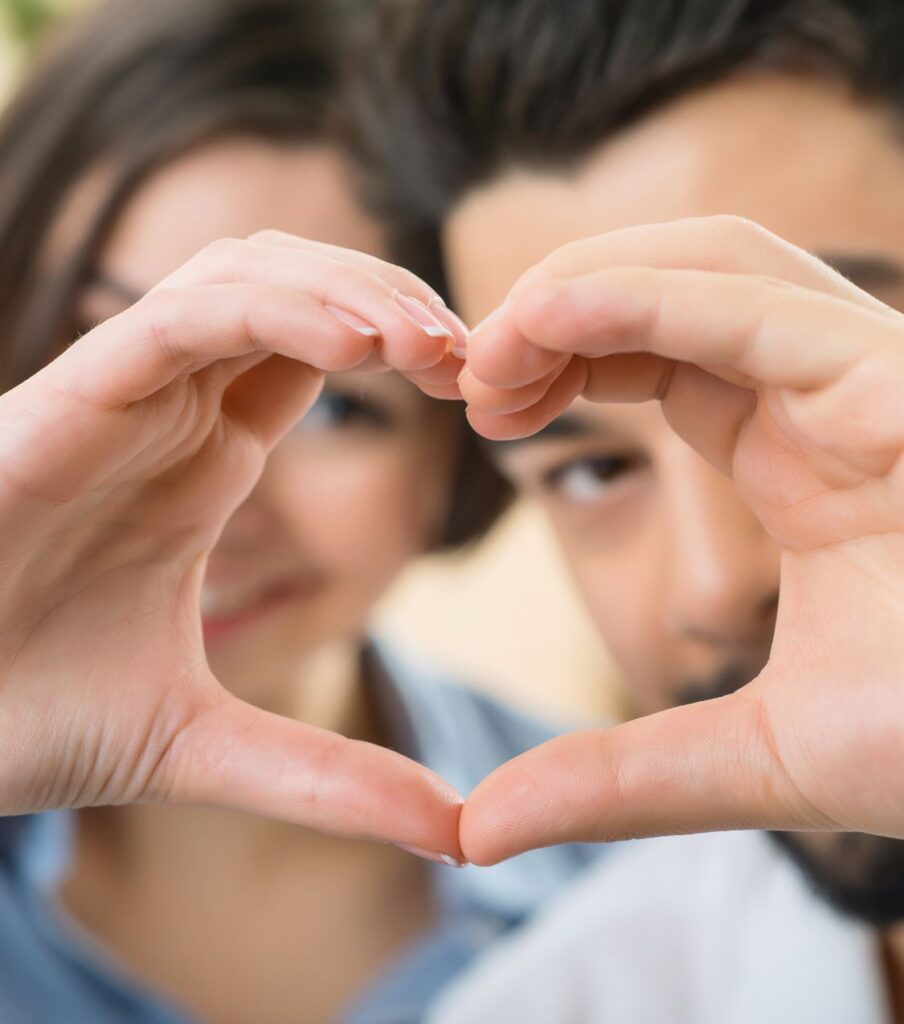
(503, 617)
(22, 22)
(506, 616)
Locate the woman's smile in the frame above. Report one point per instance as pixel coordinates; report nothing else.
(225, 610)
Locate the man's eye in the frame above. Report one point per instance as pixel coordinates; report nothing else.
(334, 410)
(586, 480)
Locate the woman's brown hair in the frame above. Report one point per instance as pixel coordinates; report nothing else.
(128, 87)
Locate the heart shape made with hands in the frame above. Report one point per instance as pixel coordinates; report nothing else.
(127, 454)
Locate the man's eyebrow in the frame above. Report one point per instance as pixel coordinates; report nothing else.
(867, 270)
(565, 426)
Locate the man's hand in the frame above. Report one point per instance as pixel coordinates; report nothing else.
(789, 378)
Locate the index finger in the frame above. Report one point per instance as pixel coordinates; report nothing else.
(404, 280)
(498, 354)
(633, 326)
(747, 330)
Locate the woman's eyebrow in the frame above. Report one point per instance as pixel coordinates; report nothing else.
(126, 293)
(868, 271)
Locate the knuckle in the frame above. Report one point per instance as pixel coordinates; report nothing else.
(556, 263)
(161, 307)
(535, 305)
(161, 310)
(737, 229)
(224, 257)
(270, 236)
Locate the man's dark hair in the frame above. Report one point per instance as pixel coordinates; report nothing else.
(457, 91)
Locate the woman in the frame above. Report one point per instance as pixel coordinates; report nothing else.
(136, 490)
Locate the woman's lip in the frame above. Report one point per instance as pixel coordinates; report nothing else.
(218, 626)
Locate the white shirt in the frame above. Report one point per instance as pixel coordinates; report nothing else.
(709, 929)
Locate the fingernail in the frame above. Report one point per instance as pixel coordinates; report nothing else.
(353, 321)
(422, 316)
(455, 324)
(439, 858)
(497, 312)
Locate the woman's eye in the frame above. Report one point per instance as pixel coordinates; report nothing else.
(334, 410)
(586, 480)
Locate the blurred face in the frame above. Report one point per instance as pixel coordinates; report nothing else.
(362, 483)
(678, 575)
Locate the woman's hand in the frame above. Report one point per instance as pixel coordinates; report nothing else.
(120, 463)
(789, 378)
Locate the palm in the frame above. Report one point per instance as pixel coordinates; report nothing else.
(808, 491)
(124, 633)
(821, 470)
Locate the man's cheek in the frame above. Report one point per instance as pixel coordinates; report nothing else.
(629, 633)
(616, 613)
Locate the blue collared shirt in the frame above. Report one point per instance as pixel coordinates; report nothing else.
(51, 970)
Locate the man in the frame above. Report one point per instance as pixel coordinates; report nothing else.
(523, 128)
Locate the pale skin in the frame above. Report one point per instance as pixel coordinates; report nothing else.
(678, 561)
(823, 753)
(212, 930)
(811, 436)
(771, 462)
(131, 450)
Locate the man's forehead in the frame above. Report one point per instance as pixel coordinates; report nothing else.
(689, 160)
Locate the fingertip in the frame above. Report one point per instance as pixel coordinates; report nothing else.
(441, 392)
(495, 428)
(458, 343)
(352, 320)
(552, 794)
(593, 314)
(501, 356)
(507, 814)
(512, 363)
(434, 823)
(505, 401)
(551, 313)
(480, 844)
(409, 349)
(424, 317)
(433, 855)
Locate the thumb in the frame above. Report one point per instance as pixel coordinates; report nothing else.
(699, 768)
(236, 756)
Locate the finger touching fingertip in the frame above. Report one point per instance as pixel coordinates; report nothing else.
(427, 320)
(456, 326)
(354, 321)
(500, 356)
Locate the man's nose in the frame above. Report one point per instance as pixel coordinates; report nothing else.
(722, 569)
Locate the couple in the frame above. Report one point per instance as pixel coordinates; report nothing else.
(738, 539)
